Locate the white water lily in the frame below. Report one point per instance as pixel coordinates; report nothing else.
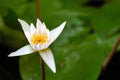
(40, 39)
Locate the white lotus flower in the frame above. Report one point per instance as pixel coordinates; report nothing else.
(40, 39)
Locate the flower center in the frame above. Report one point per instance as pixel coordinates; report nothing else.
(42, 39)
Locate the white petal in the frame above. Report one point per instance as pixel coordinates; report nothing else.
(44, 26)
(24, 25)
(48, 58)
(38, 24)
(56, 32)
(22, 51)
(37, 47)
(27, 34)
(32, 29)
(41, 27)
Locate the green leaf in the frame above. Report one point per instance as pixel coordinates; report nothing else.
(10, 18)
(81, 60)
(106, 20)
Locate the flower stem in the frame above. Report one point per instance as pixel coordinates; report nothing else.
(42, 69)
(41, 61)
(38, 8)
(109, 58)
(112, 53)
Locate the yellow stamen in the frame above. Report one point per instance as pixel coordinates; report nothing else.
(36, 39)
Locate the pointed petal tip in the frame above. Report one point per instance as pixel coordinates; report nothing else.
(9, 55)
(31, 24)
(19, 20)
(54, 71)
(48, 58)
(63, 24)
(38, 20)
(56, 32)
(22, 51)
(12, 55)
(53, 68)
